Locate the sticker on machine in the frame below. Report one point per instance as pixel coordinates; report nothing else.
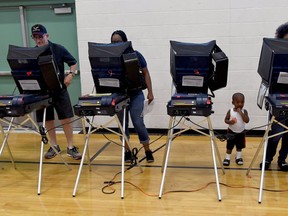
(283, 77)
(29, 85)
(111, 82)
(195, 81)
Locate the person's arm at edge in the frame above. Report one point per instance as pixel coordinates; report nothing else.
(147, 78)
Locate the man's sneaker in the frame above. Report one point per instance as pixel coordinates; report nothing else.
(226, 162)
(283, 165)
(74, 153)
(239, 161)
(51, 153)
(149, 156)
(267, 165)
(128, 156)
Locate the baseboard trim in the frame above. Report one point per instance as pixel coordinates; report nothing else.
(251, 133)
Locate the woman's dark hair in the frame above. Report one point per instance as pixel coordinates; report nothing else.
(121, 33)
(282, 30)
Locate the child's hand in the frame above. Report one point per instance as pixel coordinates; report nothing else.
(233, 120)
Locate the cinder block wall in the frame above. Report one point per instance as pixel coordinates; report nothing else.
(237, 26)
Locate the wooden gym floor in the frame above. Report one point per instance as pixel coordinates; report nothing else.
(189, 188)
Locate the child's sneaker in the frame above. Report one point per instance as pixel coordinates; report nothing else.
(226, 162)
(239, 161)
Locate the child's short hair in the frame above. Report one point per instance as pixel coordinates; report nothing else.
(237, 95)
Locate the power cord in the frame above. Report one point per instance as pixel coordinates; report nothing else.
(185, 191)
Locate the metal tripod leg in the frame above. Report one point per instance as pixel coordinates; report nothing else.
(123, 154)
(87, 137)
(124, 139)
(213, 138)
(213, 146)
(263, 140)
(5, 141)
(264, 154)
(170, 131)
(166, 156)
(263, 170)
(41, 157)
(123, 135)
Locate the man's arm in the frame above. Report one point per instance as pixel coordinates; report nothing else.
(68, 79)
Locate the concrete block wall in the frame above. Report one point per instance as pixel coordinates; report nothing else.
(237, 26)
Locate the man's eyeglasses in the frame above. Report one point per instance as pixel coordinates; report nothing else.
(35, 37)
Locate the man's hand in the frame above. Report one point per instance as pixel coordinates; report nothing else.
(68, 79)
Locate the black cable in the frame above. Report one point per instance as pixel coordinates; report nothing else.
(88, 121)
(134, 153)
(63, 124)
(223, 137)
(111, 140)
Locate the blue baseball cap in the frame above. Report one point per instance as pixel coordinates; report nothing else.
(38, 29)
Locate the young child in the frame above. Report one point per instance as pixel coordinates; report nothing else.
(236, 118)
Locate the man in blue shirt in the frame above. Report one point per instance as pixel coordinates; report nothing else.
(61, 101)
